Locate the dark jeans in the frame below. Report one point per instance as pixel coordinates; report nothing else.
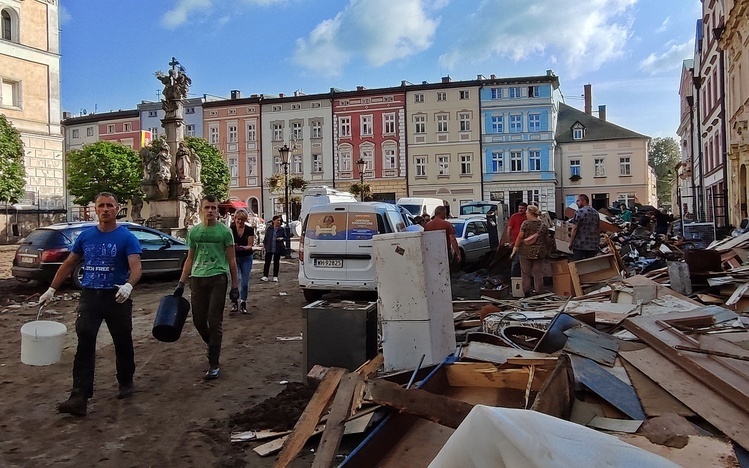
(99, 305)
(276, 263)
(515, 268)
(579, 254)
(244, 267)
(208, 297)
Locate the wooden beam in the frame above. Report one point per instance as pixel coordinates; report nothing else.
(436, 408)
(339, 412)
(480, 374)
(307, 422)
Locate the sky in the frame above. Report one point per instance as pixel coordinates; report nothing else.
(630, 51)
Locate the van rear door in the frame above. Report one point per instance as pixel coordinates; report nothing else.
(363, 223)
(325, 243)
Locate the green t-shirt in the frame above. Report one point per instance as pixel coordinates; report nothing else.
(210, 243)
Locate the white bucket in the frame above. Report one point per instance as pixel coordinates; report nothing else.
(41, 342)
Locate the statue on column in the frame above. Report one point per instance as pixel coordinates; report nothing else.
(184, 159)
(176, 84)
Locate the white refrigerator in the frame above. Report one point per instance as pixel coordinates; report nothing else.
(414, 298)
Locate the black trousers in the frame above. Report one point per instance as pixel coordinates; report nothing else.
(99, 305)
(276, 256)
(208, 296)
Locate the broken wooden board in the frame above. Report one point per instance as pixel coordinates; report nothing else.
(607, 386)
(605, 312)
(484, 374)
(334, 427)
(591, 344)
(269, 448)
(702, 451)
(732, 420)
(254, 436)
(655, 400)
(496, 354)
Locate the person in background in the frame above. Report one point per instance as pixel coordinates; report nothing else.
(244, 240)
(111, 258)
(661, 220)
(423, 222)
(513, 229)
(273, 242)
(626, 213)
(585, 237)
(209, 260)
(438, 223)
(416, 226)
(530, 246)
(426, 218)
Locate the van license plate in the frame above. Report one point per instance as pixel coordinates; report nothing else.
(28, 259)
(325, 263)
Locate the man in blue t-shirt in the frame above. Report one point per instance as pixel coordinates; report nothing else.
(111, 267)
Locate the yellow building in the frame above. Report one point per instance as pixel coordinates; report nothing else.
(30, 94)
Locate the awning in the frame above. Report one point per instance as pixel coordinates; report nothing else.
(233, 205)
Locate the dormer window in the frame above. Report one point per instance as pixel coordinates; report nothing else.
(578, 131)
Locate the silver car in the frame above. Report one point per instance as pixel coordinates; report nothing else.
(472, 235)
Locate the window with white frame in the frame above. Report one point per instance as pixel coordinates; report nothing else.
(154, 132)
(233, 134)
(110, 128)
(465, 121)
(127, 126)
(534, 91)
(276, 108)
(153, 113)
(625, 166)
(251, 131)
(296, 130)
(296, 165)
(9, 25)
(344, 126)
(388, 124)
(534, 122)
(465, 163)
(278, 132)
(600, 167)
(575, 168)
(190, 130)
(296, 106)
(344, 161)
(516, 123)
(496, 93)
(420, 163)
(443, 164)
(442, 122)
(189, 110)
(317, 163)
(75, 133)
(534, 160)
(498, 161)
(367, 154)
(514, 92)
(277, 164)
(419, 97)
(366, 125)
(316, 129)
(420, 123)
(213, 135)
(251, 166)
(441, 96)
(233, 164)
(89, 131)
(388, 158)
(578, 132)
(498, 124)
(516, 161)
(10, 93)
(534, 196)
(465, 94)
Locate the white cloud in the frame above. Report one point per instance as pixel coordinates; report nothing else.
(182, 11)
(664, 25)
(581, 35)
(668, 60)
(377, 31)
(64, 15)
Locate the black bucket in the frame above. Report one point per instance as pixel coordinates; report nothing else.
(170, 318)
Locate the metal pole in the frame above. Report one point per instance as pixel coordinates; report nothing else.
(286, 201)
(361, 185)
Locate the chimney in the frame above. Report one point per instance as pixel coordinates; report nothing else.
(588, 99)
(480, 77)
(360, 88)
(235, 94)
(602, 113)
(446, 79)
(66, 115)
(493, 76)
(280, 95)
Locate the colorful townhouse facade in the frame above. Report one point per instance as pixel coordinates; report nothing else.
(151, 113)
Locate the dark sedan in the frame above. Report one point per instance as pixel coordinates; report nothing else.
(42, 252)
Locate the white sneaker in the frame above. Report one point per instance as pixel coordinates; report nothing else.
(264, 278)
(275, 279)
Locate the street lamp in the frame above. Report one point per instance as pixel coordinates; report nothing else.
(361, 164)
(284, 152)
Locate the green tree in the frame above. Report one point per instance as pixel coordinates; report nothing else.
(214, 173)
(12, 171)
(104, 166)
(663, 157)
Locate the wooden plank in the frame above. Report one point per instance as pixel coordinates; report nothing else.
(655, 400)
(607, 386)
(371, 367)
(496, 354)
(479, 374)
(436, 408)
(737, 294)
(702, 451)
(269, 448)
(558, 393)
(575, 277)
(339, 412)
(307, 422)
(255, 436)
(732, 420)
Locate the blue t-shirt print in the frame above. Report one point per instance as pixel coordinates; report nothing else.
(105, 256)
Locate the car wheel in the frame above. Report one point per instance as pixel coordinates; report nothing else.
(77, 276)
(312, 295)
(462, 259)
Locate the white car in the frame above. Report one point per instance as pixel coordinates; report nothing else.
(472, 235)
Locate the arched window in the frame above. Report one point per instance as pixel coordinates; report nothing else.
(9, 25)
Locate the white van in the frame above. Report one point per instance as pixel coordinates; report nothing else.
(314, 196)
(335, 249)
(418, 206)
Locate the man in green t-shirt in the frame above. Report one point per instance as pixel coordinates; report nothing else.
(210, 258)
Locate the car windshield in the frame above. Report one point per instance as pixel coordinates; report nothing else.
(413, 209)
(459, 226)
(47, 237)
(476, 209)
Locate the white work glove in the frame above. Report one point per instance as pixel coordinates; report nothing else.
(49, 294)
(514, 252)
(124, 292)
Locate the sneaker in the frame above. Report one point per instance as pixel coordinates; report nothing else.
(125, 391)
(75, 405)
(234, 308)
(212, 374)
(275, 279)
(264, 278)
(243, 307)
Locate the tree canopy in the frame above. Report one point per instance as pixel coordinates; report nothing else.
(103, 166)
(663, 157)
(12, 171)
(214, 173)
